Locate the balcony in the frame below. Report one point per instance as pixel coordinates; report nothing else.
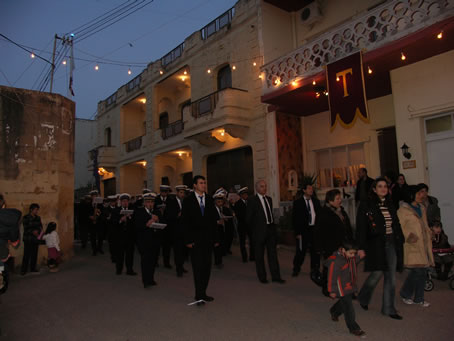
(228, 109)
(369, 31)
(133, 145)
(106, 157)
(172, 129)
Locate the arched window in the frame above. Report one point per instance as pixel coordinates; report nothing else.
(163, 120)
(225, 78)
(108, 137)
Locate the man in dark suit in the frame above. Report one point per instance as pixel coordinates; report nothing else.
(148, 238)
(304, 212)
(243, 227)
(167, 237)
(363, 185)
(173, 219)
(124, 236)
(259, 216)
(199, 222)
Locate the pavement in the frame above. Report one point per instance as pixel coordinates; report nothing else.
(87, 301)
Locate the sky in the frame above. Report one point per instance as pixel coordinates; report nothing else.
(142, 37)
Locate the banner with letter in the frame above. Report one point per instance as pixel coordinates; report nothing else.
(347, 95)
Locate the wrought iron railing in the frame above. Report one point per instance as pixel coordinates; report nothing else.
(172, 129)
(218, 23)
(172, 55)
(134, 144)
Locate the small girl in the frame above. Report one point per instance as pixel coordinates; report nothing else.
(53, 246)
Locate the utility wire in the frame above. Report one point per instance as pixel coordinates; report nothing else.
(18, 45)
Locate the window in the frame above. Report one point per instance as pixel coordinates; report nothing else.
(439, 124)
(338, 167)
(108, 137)
(163, 120)
(225, 78)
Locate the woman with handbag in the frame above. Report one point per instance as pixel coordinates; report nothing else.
(379, 236)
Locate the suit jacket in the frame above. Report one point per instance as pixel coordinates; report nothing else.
(172, 216)
(300, 215)
(124, 229)
(198, 228)
(240, 209)
(145, 233)
(369, 182)
(256, 218)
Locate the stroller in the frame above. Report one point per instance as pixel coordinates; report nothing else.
(441, 256)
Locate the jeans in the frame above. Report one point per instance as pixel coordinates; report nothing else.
(345, 306)
(413, 287)
(389, 283)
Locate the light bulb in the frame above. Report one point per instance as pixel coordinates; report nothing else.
(294, 83)
(440, 35)
(402, 56)
(185, 72)
(369, 70)
(337, 79)
(313, 82)
(32, 55)
(209, 71)
(233, 67)
(96, 67)
(254, 64)
(326, 93)
(64, 62)
(129, 71)
(183, 78)
(161, 72)
(317, 94)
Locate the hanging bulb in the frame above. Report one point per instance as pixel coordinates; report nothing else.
(317, 94)
(185, 72)
(64, 62)
(294, 83)
(313, 82)
(402, 56)
(96, 67)
(325, 92)
(254, 64)
(209, 71)
(129, 71)
(369, 70)
(161, 72)
(32, 55)
(233, 67)
(440, 35)
(337, 79)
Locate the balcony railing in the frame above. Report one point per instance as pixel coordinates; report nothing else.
(134, 144)
(135, 83)
(172, 129)
(205, 105)
(172, 55)
(375, 28)
(218, 23)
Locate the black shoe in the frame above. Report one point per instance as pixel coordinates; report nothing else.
(264, 281)
(358, 332)
(354, 297)
(334, 318)
(279, 280)
(396, 316)
(325, 293)
(131, 273)
(201, 303)
(151, 284)
(23, 273)
(112, 260)
(208, 299)
(185, 271)
(179, 274)
(168, 266)
(295, 273)
(364, 306)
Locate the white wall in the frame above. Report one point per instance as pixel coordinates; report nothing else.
(85, 140)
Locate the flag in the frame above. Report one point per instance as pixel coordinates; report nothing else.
(347, 96)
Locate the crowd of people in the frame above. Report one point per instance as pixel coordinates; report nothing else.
(396, 227)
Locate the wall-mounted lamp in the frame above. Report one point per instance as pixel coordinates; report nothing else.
(405, 151)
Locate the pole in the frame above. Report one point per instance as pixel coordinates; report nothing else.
(53, 64)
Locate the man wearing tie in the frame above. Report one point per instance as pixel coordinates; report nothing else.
(260, 218)
(200, 229)
(243, 228)
(304, 211)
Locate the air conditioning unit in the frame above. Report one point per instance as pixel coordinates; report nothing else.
(311, 14)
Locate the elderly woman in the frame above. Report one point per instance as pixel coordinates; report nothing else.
(379, 235)
(333, 228)
(418, 246)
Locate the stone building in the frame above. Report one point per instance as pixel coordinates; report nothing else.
(37, 158)
(85, 139)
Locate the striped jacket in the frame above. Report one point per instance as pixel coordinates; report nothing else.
(342, 274)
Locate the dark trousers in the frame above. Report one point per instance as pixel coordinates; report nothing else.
(306, 242)
(344, 305)
(201, 254)
(228, 237)
(124, 253)
(96, 232)
(179, 250)
(242, 234)
(149, 253)
(167, 243)
(413, 287)
(270, 244)
(219, 251)
(83, 233)
(30, 256)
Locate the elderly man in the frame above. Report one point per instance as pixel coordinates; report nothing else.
(259, 216)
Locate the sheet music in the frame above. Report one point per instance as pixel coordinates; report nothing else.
(158, 226)
(126, 212)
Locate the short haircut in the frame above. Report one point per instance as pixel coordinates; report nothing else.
(259, 182)
(423, 185)
(412, 190)
(305, 186)
(373, 195)
(364, 169)
(197, 178)
(33, 206)
(331, 195)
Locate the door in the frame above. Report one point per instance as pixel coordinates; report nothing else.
(441, 186)
(110, 187)
(387, 148)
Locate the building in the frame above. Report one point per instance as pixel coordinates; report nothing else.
(85, 140)
(247, 98)
(407, 67)
(37, 159)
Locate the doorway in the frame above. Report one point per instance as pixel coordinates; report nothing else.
(110, 187)
(387, 148)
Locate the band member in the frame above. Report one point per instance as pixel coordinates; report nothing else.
(243, 228)
(259, 216)
(161, 203)
(304, 211)
(173, 219)
(124, 236)
(219, 204)
(148, 238)
(112, 204)
(95, 226)
(199, 222)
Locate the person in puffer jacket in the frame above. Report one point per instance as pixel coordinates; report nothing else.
(342, 285)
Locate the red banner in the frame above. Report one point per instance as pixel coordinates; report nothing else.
(347, 96)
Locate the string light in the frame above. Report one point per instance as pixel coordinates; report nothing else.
(369, 70)
(402, 56)
(440, 35)
(209, 71)
(32, 55)
(317, 94)
(64, 62)
(161, 72)
(260, 76)
(129, 71)
(233, 67)
(96, 67)
(337, 79)
(183, 78)
(325, 92)
(313, 82)
(185, 72)
(294, 83)
(254, 64)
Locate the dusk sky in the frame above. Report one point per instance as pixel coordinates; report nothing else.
(152, 31)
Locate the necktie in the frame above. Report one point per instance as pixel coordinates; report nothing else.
(202, 206)
(267, 211)
(308, 205)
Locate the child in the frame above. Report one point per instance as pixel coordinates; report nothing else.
(440, 241)
(342, 284)
(53, 246)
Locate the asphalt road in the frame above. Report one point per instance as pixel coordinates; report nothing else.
(87, 301)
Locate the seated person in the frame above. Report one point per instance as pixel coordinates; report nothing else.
(443, 263)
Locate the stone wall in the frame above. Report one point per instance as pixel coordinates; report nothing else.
(37, 159)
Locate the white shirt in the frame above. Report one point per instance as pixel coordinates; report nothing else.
(179, 202)
(311, 206)
(52, 240)
(262, 198)
(198, 196)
